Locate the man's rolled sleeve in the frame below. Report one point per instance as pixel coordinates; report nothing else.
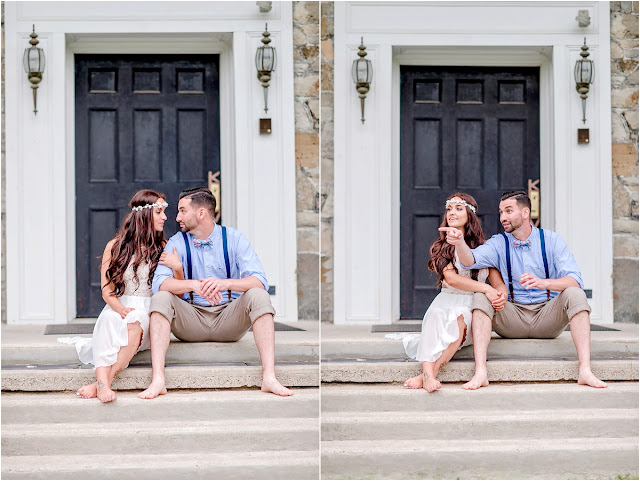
(486, 255)
(248, 261)
(564, 262)
(162, 272)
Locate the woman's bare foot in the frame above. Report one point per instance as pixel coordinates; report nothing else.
(414, 382)
(430, 383)
(155, 389)
(477, 381)
(271, 384)
(88, 391)
(106, 395)
(587, 378)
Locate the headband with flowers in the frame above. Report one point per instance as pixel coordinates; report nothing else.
(150, 206)
(452, 201)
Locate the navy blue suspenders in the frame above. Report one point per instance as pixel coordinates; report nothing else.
(506, 247)
(226, 257)
(544, 260)
(187, 245)
(189, 268)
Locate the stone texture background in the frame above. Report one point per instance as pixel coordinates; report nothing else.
(624, 125)
(326, 186)
(306, 68)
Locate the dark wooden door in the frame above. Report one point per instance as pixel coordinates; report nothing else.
(474, 130)
(142, 122)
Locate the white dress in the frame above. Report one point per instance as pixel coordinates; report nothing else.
(110, 332)
(440, 325)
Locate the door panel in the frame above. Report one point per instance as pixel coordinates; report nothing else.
(142, 122)
(474, 130)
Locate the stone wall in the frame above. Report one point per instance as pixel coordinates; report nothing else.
(326, 187)
(624, 125)
(306, 68)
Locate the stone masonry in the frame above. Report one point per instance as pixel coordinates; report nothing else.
(306, 68)
(326, 186)
(624, 126)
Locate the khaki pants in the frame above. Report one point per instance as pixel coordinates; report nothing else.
(534, 321)
(225, 323)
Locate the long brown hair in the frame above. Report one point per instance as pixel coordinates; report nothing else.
(136, 240)
(441, 254)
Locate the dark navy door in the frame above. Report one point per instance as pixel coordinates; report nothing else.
(469, 129)
(142, 121)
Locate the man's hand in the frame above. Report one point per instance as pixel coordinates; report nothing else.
(529, 281)
(497, 298)
(454, 236)
(125, 310)
(212, 288)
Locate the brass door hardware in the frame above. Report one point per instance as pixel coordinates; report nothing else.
(534, 195)
(214, 187)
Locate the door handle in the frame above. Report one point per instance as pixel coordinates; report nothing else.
(534, 195)
(214, 187)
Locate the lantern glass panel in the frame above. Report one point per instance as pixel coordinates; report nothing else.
(33, 60)
(361, 71)
(266, 59)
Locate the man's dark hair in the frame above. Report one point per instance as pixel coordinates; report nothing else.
(201, 197)
(522, 199)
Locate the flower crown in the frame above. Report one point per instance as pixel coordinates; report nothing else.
(150, 206)
(451, 201)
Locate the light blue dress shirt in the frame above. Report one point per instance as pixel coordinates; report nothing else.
(528, 259)
(208, 261)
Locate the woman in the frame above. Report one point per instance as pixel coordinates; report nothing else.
(446, 326)
(126, 273)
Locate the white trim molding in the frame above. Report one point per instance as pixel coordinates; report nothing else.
(259, 193)
(367, 157)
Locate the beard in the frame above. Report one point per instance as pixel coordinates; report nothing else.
(188, 226)
(513, 225)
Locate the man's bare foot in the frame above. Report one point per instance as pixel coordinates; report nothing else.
(430, 383)
(106, 395)
(587, 378)
(271, 384)
(155, 389)
(477, 381)
(414, 382)
(88, 391)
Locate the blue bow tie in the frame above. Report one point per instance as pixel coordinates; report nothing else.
(518, 243)
(202, 243)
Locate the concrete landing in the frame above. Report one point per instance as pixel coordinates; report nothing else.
(354, 354)
(32, 361)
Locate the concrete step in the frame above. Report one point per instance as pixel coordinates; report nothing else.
(520, 458)
(354, 342)
(461, 370)
(230, 434)
(222, 375)
(502, 431)
(179, 406)
(476, 425)
(29, 345)
(197, 465)
(498, 397)
(125, 437)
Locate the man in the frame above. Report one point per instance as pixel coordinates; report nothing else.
(541, 304)
(224, 295)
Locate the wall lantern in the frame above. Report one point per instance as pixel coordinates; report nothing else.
(33, 61)
(362, 74)
(584, 74)
(265, 63)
